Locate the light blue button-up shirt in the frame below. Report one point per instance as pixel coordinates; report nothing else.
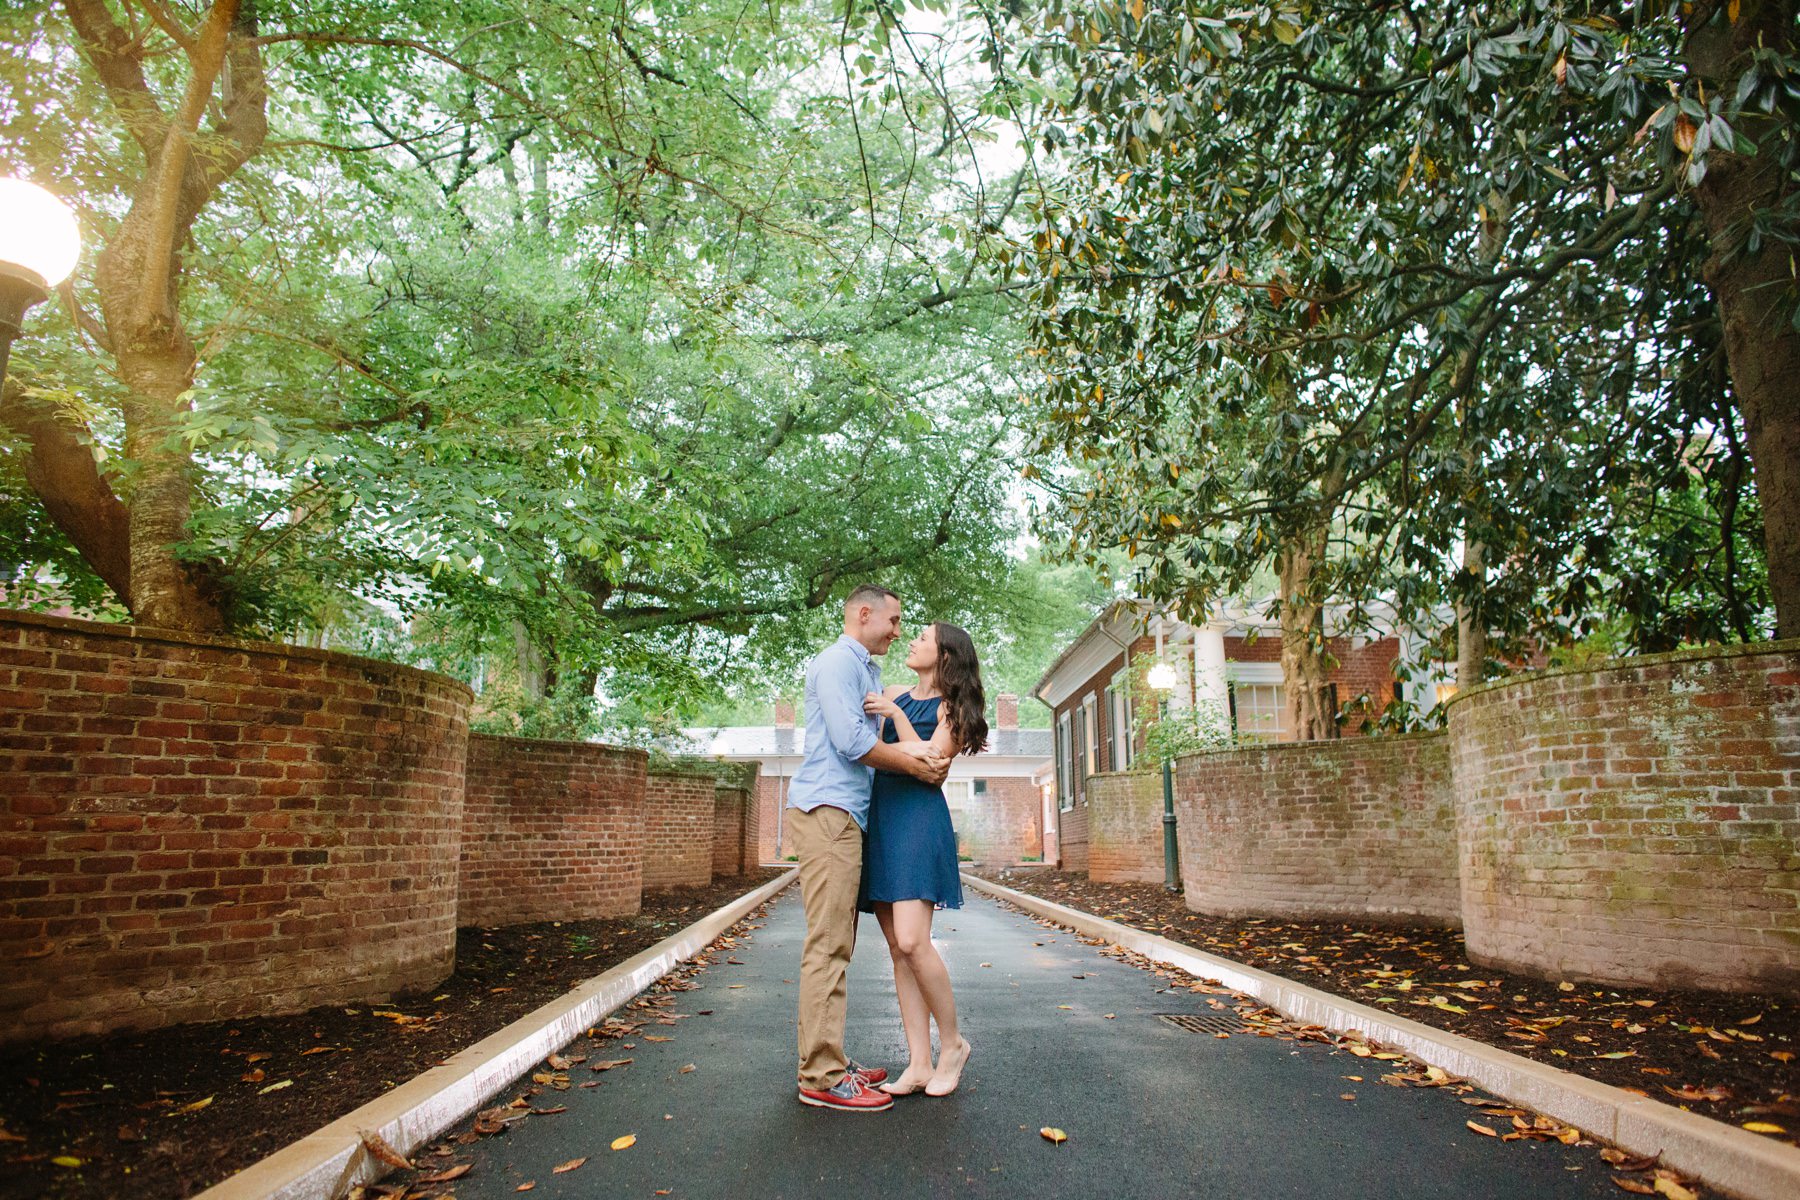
(838, 732)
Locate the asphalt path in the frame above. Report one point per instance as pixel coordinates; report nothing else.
(1064, 1037)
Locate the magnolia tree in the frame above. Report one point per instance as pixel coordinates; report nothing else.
(1480, 308)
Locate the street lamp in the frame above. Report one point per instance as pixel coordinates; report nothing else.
(1161, 679)
(39, 246)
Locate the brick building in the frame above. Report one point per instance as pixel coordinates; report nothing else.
(1230, 664)
(997, 809)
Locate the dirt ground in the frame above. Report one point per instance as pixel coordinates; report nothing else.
(1729, 1057)
(171, 1112)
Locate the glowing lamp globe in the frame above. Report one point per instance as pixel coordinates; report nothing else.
(38, 233)
(1161, 677)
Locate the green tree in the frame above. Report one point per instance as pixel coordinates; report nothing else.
(1439, 301)
(610, 346)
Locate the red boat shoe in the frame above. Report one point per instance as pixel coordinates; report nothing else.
(849, 1094)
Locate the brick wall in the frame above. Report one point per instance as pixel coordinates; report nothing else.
(771, 795)
(1001, 825)
(552, 831)
(1125, 827)
(678, 826)
(1636, 822)
(736, 837)
(198, 828)
(1073, 844)
(1349, 828)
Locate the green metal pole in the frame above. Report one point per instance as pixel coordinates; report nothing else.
(1171, 864)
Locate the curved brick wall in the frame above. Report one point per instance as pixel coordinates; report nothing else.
(736, 833)
(199, 828)
(552, 831)
(678, 826)
(1351, 828)
(1636, 822)
(1125, 827)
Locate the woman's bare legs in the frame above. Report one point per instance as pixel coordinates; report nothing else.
(907, 924)
(915, 1016)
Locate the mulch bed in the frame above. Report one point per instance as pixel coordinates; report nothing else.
(1729, 1057)
(172, 1112)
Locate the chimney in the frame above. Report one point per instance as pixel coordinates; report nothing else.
(784, 714)
(1006, 711)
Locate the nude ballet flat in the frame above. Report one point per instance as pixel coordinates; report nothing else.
(902, 1086)
(943, 1085)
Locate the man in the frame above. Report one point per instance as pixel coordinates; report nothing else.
(829, 811)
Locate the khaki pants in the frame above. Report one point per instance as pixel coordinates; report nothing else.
(830, 847)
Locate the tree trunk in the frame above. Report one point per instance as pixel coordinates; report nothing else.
(1471, 627)
(138, 276)
(1755, 290)
(60, 468)
(157, 366)
(533, 675)
(1305, 666)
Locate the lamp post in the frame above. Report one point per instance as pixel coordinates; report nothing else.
(39, 246)
(1161, 679)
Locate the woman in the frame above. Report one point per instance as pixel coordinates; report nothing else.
(909, 860)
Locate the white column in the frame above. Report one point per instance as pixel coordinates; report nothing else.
(1209, 666)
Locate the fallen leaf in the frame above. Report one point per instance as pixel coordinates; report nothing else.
(690, 1067)
(1618, 1054)
(1764, 1127)
(1785, 1056)
(1565, 987)
(609, 1064)
(1674, 1191)
(624, 1143)
(549, 1112)
(318, 1050)
(651, 1037)
(1636, 1186)
(526, 1186)
(275, 1087)
(65, 1160)
(568, 1166)
(1483, 1130)
(255, 1076)
(1684, 1092)
(1625, 1160)
(376, 1145)
(1050, 1134)
(557, 1062)
(195, 1107)
(456, 1172)
(257, 1056)
(1346, 1095)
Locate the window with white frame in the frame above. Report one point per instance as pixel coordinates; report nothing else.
(1078, 784)
(958, 795)
(1065, 791)
(1090, 733)
(1258, 711)
(1119, 724)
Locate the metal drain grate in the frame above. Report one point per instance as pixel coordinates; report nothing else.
(1198, 1023)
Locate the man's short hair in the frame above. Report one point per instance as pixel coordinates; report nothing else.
(870, 594)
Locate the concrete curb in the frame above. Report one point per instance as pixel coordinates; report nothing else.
(327, 1163)
(1732, 1160)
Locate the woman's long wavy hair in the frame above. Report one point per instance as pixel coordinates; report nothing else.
(959, 681)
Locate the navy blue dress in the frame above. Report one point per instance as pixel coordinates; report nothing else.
(910, 853)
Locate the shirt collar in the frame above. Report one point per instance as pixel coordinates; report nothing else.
(861, 651)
